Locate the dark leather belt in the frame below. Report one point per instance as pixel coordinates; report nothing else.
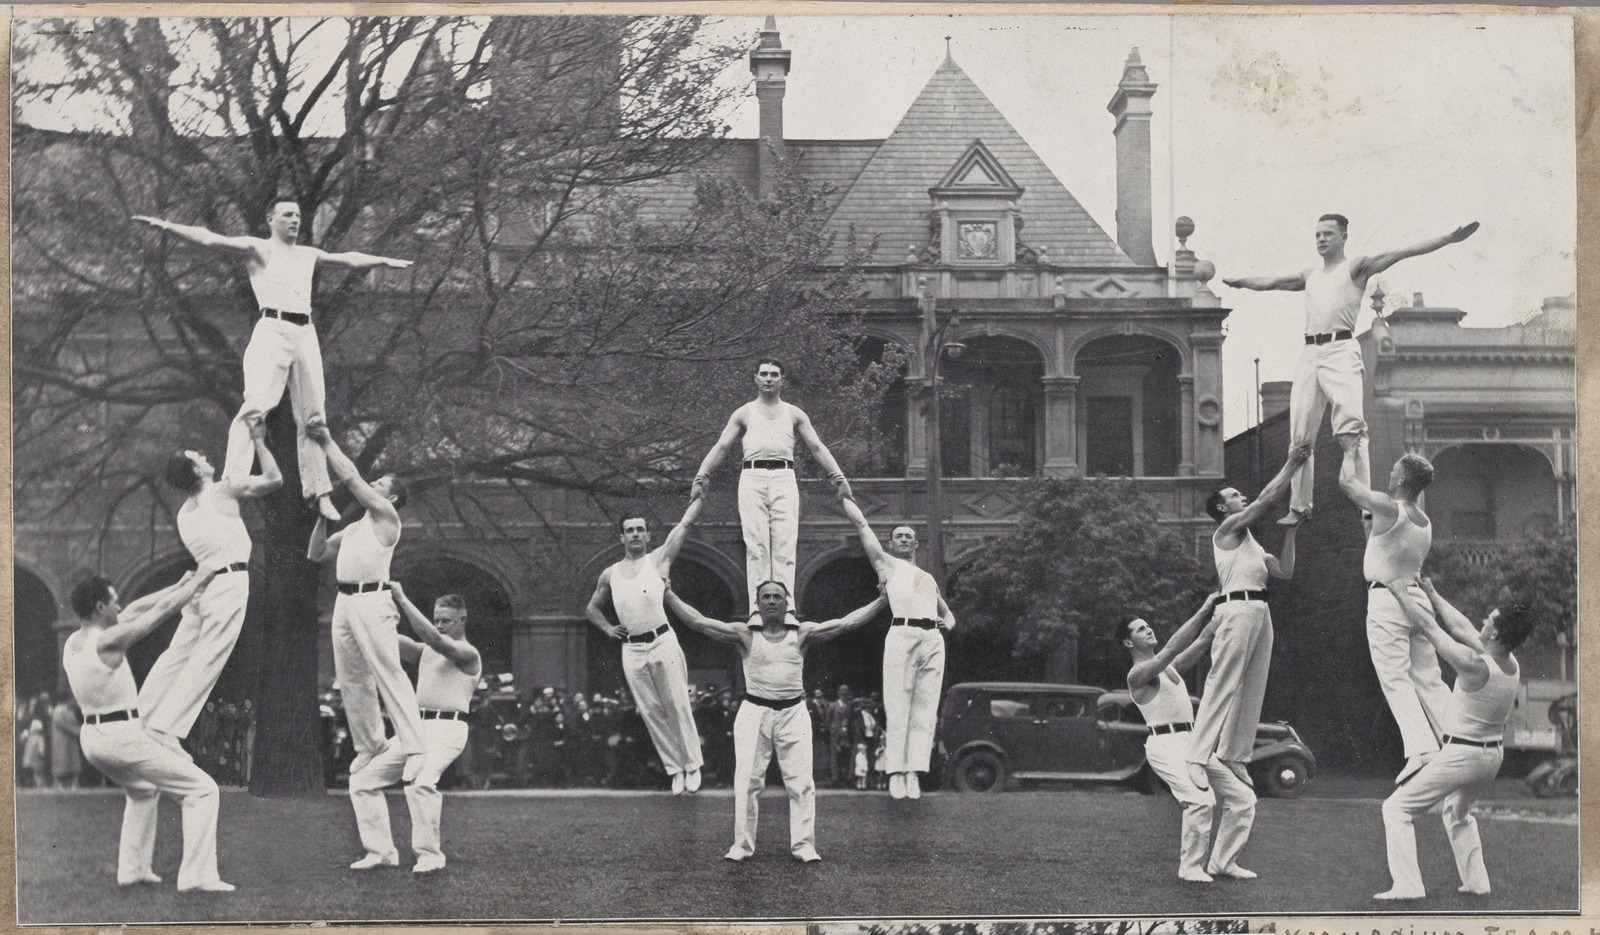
(921, 623)
(363, 587)
(110, 716)
(769, 464)
(236, 566)
(1379, 585)
(1243, 596)
(1327, 337)
(777, 705)
(1171, 728)
(649, 637)
(1463, 742)
(428, 714)
(293, 318)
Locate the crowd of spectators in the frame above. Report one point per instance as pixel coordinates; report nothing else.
(47, 748)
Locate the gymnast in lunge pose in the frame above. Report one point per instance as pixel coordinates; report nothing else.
(1331, 369)
(283, 348)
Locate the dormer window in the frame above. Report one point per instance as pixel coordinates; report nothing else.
(975, 208)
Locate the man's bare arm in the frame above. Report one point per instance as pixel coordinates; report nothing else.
(457, 651)
(1453, 621)
(947, 617)
(385, 518)
(827, 630)
(1367, 266)
(271, 476)
(131, 628)
(595, 613)
(1150, 669)
(1275, 489)
(808, 434)
(323, 546)
(730, 435)
(200, 237)
(1469, 665)
(679, 534)
(700, 623)
(1353, 472)
(1282, 564)
(1294, 282)
(352, 260)
(869, 541)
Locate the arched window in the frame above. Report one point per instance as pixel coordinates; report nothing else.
(1011, 434)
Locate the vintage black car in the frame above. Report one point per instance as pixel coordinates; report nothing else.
(994, 732)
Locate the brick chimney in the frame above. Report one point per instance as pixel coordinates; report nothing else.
(769, 62)
(1131, 106)
(1275, 398)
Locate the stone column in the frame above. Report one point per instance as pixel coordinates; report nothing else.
(916, 427)
(1186, 417)
(1060, 426)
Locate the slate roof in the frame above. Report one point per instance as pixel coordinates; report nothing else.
(889, 199)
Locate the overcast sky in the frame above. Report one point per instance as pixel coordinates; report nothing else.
(1410, 125)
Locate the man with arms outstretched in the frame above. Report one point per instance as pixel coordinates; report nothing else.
(447, 674)
(1331, 369)
(652, 659)
(1241, 652)
(283, 348)
(366, 657)
(773, 717)
(1398, 539)
(212, 530)
(1487, 679)
(1156, 684)
(769, 498)
(913, 652)
(96, 664)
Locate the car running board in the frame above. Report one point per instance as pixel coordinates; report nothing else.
(1074, 777)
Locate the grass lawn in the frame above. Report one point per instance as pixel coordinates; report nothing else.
(650, 855)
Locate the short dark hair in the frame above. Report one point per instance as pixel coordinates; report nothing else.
(180, 472)
(90, 593)
(1513, 625)
(451, 601)
(780, 584)
(1125, 629)
(1418, 473)
(770, 360)
(627, 519)
(1214, 506)
(1339, 219)
(399, 491)
(272, 206)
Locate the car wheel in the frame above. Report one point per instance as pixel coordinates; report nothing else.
(1286, 777)
(980, 771)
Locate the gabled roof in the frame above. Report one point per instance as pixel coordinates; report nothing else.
(890, 197)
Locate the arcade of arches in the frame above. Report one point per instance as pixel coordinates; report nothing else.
(1491, 491)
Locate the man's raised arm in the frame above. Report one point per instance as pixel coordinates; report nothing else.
(200, 237)
(827, 630)
(1453, 621)
(133, 627)
(457, 651)
(270, 478)
(1282, 564)
(1378, 262)
(1275, 489)
(1469, 665)
(680, 533)
(700, 623)
(1151, 668)
(730, 435)
(1294, 282)
(869, 541)
(352, 260)
(1353, 472)
(384, 516)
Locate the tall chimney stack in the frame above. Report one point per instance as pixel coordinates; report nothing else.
(769, 62)
(1131, 106)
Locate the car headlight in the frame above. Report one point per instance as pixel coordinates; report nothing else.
(508, 732)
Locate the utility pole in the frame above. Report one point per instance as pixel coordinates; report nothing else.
(933, 352)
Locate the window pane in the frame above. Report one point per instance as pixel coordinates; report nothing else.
(1011, 705)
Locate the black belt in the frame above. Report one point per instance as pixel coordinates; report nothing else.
(1379, 585)
(1243, 596)
(236, 566)
(651, 636)
(110, 716)
(769, 464)
(1328, 336)
(293, 318)
(362, 588)
(1462, 741)
(921, 623)
(428, 714)
(776, 705)
(1172, 728)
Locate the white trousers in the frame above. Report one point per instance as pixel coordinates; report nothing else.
(1167, 754)
(769, 512)
(1408, 670)
(366, 661)
(445, 740)
(179, 683)
(281, 354)
(1328, 374)
(145, 769)
(1456, 776)
(1236, 686)
(658, 678)
(913, 674)
(758, 733)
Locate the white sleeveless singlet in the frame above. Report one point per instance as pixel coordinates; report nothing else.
(775, 670)
(1398, 552)
(441, 685)
(99, 690)
(638, 600)
(1482, 715)
(1171, 705)
(284, 283)
(210, 534)
(1240, 569)
(912, 592)
(1332, 300)
(767, 437)
(362, 558)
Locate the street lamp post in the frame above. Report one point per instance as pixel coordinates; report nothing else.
(934, 350)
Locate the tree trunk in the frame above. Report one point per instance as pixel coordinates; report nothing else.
(282, 621)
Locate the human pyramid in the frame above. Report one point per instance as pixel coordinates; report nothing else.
(134, 735)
